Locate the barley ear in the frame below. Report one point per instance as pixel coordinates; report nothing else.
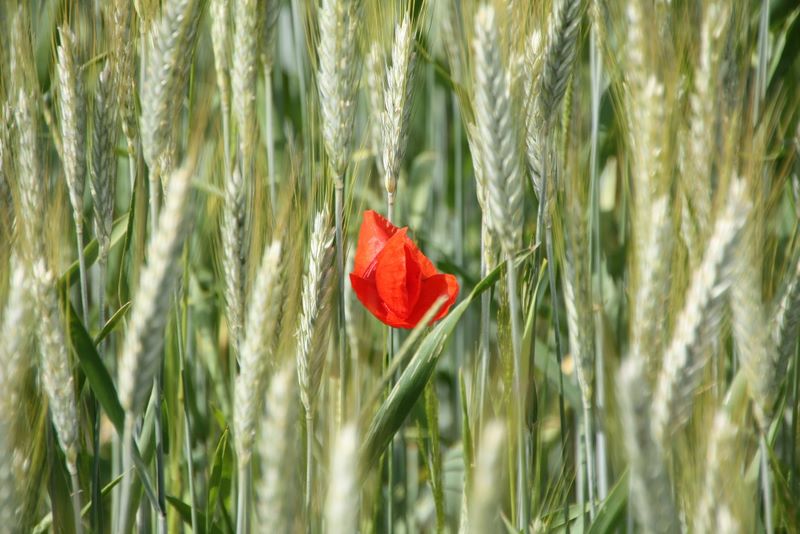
(722, 491)
(649, 482)
(754, 341)
(652, 288)
(559, 55)
(699, 320)
(701, 135)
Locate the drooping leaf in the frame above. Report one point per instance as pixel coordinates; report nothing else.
(611, 513)
(219, 482)
(112, 323)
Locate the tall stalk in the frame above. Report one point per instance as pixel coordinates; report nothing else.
(523, 512)
(340, 260)
(599, 341)
(270, 140)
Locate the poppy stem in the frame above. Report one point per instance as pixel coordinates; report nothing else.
(390, 195)
(522, 467)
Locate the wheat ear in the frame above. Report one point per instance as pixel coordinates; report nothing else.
(312, 332)
(258, 345)
(786, 318)
(649, 482)
(73, 132)
(13, 344)
(72, 115)
(341, 505)
(397, 95)
(56, 375)
(165, 79)
(257, 348)
(244, 66)
(496, 134)
(234, 219)
(699, 319)
(31, 186)
(103, 163)
(315, 316)
(219, 11)
(278, 451)
(337, 79)
(141, 352)
(500, 165)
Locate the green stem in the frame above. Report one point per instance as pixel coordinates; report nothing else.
(544, 223)
(82, 270)
(76, 498)
(766, 486)
(268, 111)
(589, 453)
(596, 87)
(127, 471)
(309, 466)
(523, 513)
(161, 492)
(97, 517)
(241, 498)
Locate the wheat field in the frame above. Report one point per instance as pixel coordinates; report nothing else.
(398, 266)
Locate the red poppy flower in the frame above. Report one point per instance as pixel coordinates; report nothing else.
(393, 279)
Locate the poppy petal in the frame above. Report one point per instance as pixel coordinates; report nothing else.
(372, 237)
(425, 265)
(367, 293)
(397, 275)
(432, 288)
